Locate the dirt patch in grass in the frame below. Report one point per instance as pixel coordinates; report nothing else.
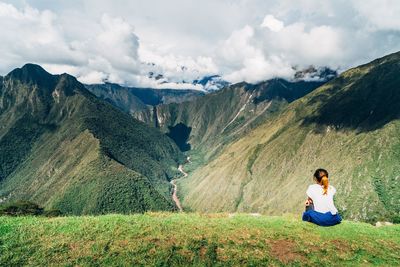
(341, 246)
(202, 252)
(74, 246)
(285, 251)
(122, 243)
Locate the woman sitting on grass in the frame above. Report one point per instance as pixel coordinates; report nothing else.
(320, 208)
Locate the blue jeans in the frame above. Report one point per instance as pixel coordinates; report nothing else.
(322, 219)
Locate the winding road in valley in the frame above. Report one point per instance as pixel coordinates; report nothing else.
(173, 182)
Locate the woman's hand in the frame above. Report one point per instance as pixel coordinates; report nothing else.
(308, 202)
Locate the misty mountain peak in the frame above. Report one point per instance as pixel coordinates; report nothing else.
(313, 73)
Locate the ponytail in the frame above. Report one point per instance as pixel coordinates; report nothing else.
(321, 176)
(325, 184)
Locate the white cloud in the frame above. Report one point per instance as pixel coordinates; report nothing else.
(257, 54)
(300, 45)
(92, 77)
(175, 67)
(380, 14)
(237, 47)
(99, 40)
(108, 53)
(246, 61)
(272, 23)
(117, 43)
(32, 36)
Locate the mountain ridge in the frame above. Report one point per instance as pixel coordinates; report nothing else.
(275, 160)
(208, 123)
(58, 137)
(252, 145)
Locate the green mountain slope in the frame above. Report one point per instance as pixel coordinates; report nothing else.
(164, 239)
(62, 147)
(208, 123)
(349, 126)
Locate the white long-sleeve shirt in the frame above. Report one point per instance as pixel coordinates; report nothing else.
(322, 203)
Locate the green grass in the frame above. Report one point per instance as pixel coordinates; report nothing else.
(171, 239)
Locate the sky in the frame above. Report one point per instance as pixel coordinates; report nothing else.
(241, 40)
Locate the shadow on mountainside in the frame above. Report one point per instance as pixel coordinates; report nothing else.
(283, 89)
(180, 134)
(364, 103)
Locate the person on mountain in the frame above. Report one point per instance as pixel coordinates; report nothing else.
(320, 208)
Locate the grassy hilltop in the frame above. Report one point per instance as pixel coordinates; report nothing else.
(168, 239)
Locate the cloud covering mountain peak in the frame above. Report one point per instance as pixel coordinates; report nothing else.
(122, 42)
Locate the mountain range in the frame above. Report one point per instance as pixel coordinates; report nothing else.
(350, 126)
(207, 123)
(87, 149)
(211, 83)
(64, 148)
(132, 99)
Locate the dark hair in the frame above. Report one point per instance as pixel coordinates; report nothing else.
(321, 175)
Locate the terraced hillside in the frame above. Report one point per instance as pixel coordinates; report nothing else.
(349, 126)
(63, 148)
